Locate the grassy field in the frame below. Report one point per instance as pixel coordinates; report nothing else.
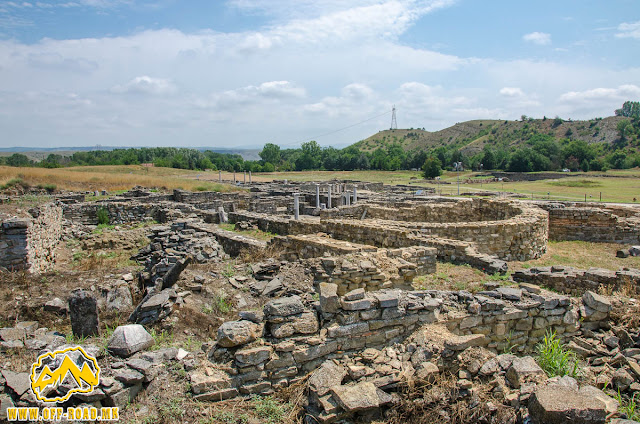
(618, 186)
(111, 178)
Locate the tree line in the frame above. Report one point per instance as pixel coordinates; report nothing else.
(540, 152)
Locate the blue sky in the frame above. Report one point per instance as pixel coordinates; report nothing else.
(241, 73)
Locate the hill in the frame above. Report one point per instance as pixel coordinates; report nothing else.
(470, 137)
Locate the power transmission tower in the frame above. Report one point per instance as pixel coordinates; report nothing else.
(394, 123)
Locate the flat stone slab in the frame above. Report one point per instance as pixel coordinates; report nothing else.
(559, 405)
(523, 370)
(284, 306)
(17, 381)
(360, 397)
(327, 376)
(458, 343)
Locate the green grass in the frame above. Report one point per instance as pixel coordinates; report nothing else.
(269, 410)
(162, 338)
(582, 255)
(221, 305)
(629, 406)
(555, 359)
(576, 183)
(256, 234)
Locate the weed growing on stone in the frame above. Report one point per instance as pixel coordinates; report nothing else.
(162, 338)
(72, 339)
(103, 216)
(555, 359)
(629, 407)
(221, 305)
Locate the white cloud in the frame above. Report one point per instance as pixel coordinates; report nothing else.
(315, 67)
(513, 92)
(622, 93)
(146, 85)
(629, 30)
(539, 38)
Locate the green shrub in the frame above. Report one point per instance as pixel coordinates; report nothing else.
(103, 216)
(554, 359)
(16, 182)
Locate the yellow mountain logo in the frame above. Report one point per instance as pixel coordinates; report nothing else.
(52, 368)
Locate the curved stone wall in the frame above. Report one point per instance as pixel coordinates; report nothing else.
(508, 230)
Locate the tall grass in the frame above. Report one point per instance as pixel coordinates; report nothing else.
(555, 359)
(110, 178)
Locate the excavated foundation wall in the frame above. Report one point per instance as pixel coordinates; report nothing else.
(511, 231)
(274, 348)
(576, 281)
(593, 223)
(29, 244)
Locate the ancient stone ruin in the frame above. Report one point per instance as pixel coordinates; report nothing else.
(360, 332)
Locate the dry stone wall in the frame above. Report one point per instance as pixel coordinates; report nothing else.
(270, 349)
(373, 271)
(508, 230)
(576, 281)
(593, 223)
(29, 244)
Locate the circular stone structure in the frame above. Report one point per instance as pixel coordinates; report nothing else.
(510, 230)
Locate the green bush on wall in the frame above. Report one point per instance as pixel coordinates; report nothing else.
(103, 216)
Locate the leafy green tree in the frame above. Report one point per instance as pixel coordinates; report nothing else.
(585, 166)
(270, 153)
(629, 109)
(488, 159)
(18, 159)
(431, 168)
(623, 127)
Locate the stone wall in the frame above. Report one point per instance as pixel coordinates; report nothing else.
(119, 212)
(376, 233)
(464, 210)
(232, 242)
(508, 230)
(29, 244)
(273, 348)
(372, 271)
(593, 223)
(576, 281)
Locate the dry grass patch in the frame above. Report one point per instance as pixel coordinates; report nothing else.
(111, 178)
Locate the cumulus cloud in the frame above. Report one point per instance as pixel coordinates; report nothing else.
(539, 38)
(313, 68)
(146, 85)
(621, 93)
(513, 92)
(629, 30)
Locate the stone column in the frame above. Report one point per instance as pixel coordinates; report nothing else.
(234, 176)
(317, 195)
(219, 176)
(355, 194)
(347, 198)
(83, 311)
(244, 181)
(296, 206)
(249, 177)
(329, 196)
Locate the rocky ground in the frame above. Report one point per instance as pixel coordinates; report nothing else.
(162, 292)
